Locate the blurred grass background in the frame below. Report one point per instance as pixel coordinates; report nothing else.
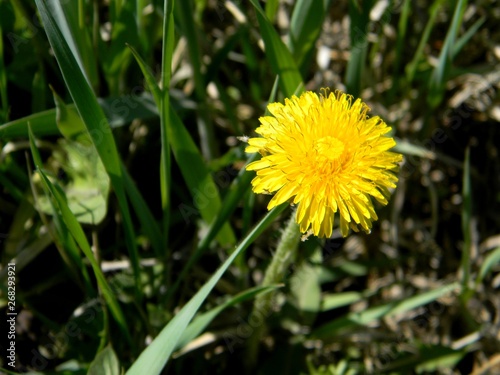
(123, 188)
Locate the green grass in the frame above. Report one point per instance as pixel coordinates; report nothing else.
(125, 205)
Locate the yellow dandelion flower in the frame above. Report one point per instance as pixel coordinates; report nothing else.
(324, 154)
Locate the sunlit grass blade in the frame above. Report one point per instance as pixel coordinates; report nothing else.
(278, 55)
(74, 227)
(354, 319)
(271, 9)
(490, 261)
(305, 27)
(96, 124)
(148, 75)
(65, 27)
(198, 324)
(152, 360)
(44, 123)
(440, 73)
(238, 189)
(360, 18)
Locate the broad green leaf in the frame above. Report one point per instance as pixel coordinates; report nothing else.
(305, 284)
(88, 184)
(105, 363)
(152, 360)
(69, 122)
(278, 55)
(66, 217)
(96, 124)
(79, 236)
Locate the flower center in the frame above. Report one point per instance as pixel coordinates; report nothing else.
(329, 147)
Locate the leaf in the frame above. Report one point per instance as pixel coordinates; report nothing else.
(305, 27)
(96, 124)
(362, 318)
(491, 260)
(360, 19)
(278, 55)
(88, 186)
(152, 360)
(117, 110)
(440, 73)
(197, 326)
(205, 193)
(65, 216)
(105, 363)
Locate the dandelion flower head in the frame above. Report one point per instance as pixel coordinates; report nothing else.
(325, 155)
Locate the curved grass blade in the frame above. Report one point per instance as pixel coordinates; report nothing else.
(97, 125)
(152, 360)
(66, 216)
(198, 324)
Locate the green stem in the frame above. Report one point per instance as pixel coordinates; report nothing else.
(283, 257)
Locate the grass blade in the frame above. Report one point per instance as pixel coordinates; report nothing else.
(96, 124)
(166, 65)
(441, 71)
(360, 18)
(411, 68)
(205, 126)
(305, 27)
(74, 227)
(354, 319)
(152, 360)
(198, 324)
(278, 55)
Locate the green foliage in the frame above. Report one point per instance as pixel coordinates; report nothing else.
(125, 205)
